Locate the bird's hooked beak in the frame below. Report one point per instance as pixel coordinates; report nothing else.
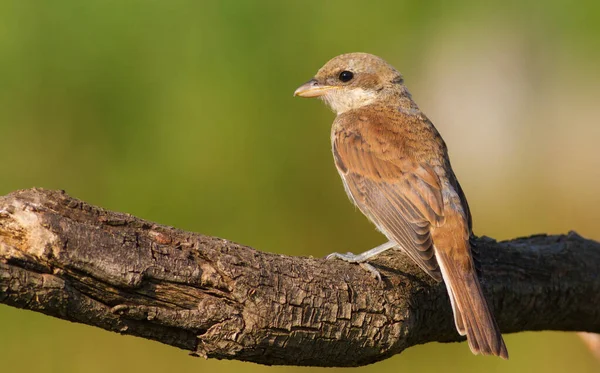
(312, 88)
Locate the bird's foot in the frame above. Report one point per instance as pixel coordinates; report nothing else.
(359, 259)
(348, 257)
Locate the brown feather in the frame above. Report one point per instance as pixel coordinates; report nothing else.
(405, 200)
(402, 198)
(471, 312)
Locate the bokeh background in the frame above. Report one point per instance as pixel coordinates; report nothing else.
(181, 112)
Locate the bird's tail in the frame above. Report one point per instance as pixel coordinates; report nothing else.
(471, 312)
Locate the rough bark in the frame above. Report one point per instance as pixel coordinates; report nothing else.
(218, 299)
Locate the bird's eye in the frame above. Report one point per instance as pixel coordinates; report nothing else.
(346, 76)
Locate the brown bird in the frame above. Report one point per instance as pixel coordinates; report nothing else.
(396, 170)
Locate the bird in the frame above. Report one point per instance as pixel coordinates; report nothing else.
(395, 168)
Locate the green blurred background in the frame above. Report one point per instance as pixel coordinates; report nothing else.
(181, 112)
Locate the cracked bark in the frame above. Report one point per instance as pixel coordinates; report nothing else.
(218, 299)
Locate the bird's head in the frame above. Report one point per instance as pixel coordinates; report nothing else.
(350, 81)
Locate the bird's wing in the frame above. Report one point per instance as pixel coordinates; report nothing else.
(403, 198)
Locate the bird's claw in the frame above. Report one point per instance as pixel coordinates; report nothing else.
(348, 257)
(353, 258)
(372, 270)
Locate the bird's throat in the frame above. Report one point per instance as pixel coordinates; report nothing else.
(343, 100)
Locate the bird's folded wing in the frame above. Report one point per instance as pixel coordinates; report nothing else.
(403, 198)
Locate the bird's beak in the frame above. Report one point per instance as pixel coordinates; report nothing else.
(312, 89)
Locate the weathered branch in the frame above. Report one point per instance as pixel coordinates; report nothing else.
(65, 258)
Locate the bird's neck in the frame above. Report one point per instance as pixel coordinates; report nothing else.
(402, 99)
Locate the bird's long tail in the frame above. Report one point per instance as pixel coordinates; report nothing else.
(471, 312)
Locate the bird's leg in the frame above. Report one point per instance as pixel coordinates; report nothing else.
(362, 258)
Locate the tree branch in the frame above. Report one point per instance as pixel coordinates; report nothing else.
(68, 259)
